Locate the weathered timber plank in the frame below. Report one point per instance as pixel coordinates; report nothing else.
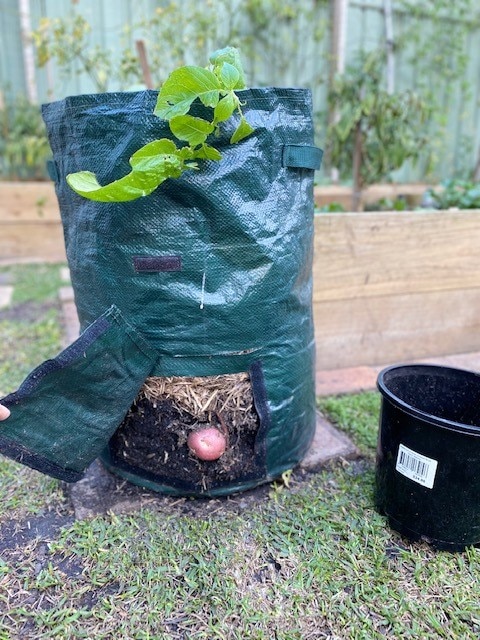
(383, 329)
(412, 193)
(28, 202)
(372, 254)
(35, 240)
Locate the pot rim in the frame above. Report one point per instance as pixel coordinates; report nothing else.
(450, 425)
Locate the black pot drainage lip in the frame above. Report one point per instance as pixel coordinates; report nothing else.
(428, 454)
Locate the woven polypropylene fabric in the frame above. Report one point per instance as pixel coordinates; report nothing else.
(64, 413)
(239, 234)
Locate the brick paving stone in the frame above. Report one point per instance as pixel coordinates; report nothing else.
(348, 380)
(71, 325)
(364, 378)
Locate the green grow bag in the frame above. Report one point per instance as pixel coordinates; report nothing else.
(213, 271)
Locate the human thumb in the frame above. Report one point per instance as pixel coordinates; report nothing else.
(4, 412)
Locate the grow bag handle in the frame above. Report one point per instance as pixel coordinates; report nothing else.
(300, 156)
(52, 169)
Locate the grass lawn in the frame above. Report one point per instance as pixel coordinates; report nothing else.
(307, 558)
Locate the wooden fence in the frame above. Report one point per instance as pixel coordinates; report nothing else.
(290, 48)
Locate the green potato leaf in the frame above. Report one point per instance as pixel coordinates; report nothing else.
(243, 130)
(206, 152)
(186, 153)
(225, 108)
(151, 165)
(193, 130)
(182, 87)
(229, 75)
(146, 158)
(133, 186)
(231, 56)
(162, 159)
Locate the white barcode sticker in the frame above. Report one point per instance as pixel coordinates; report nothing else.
(417, 467)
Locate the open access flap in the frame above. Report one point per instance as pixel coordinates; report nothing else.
(66, 410)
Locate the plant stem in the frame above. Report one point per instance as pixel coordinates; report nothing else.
(357, 166)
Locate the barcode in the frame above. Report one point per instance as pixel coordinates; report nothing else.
(416, 466)
(413, 463)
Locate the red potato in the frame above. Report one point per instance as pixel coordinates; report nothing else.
(207, 444)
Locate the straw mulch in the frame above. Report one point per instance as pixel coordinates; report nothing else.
(228, 397)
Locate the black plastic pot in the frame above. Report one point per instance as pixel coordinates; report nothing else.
(428, 457)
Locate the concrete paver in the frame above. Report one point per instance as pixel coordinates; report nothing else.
(65, 274)
(71, 324)
(6, 292)
(328, 444)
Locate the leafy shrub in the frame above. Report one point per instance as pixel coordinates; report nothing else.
(458, 194)
(331, 207)
(23, 141)
(375, 132)
(387, 204)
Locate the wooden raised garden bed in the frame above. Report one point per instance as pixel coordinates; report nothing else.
(393, 287)
(388, 286)
(30, 227)
(412, 193)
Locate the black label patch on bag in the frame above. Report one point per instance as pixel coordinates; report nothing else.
(157, 264)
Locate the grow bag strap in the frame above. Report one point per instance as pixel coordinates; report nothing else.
(299, 156)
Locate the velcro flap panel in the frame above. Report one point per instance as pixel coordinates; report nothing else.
(66, 410)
